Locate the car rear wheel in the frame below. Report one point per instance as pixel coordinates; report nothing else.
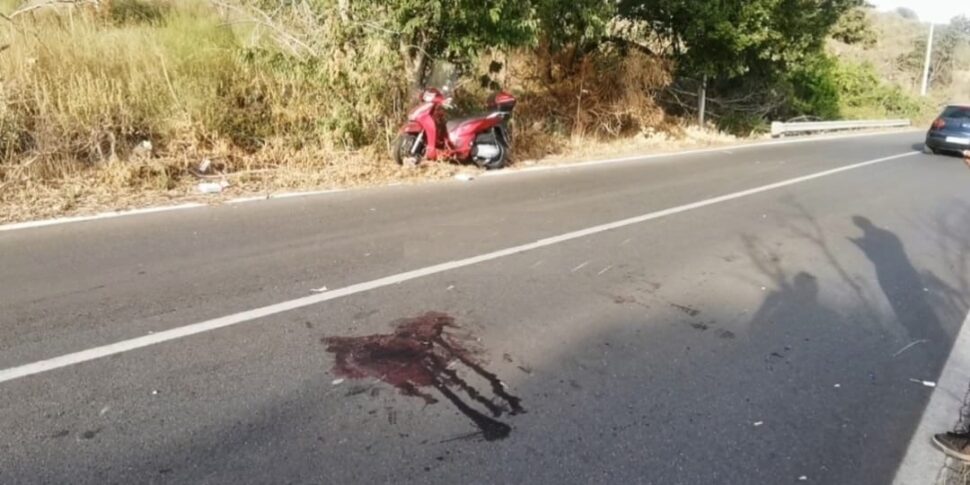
(930, 151)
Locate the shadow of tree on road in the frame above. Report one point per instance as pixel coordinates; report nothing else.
(806, 227)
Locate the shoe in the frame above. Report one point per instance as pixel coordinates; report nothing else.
(955, 445)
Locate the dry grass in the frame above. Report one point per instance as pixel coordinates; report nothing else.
(125, 185)
(130, 184)
(954, 473)
(109, 110)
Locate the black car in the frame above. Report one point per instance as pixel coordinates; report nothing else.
(950, 131)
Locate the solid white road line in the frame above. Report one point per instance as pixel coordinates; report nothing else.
(248, 315)
(508, 171)
(696, 151)
(923, 463)
(103, 215)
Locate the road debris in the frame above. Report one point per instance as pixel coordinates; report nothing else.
(142, 150)
(802, 478)
(321, 289)
(104, 410)
(154, 392)
(604, 270)
(925, 383)
(337, 382)
(212, 187)
(911, 345)
(464, 177)
(837, 386)
(758, 423)
(577, 268)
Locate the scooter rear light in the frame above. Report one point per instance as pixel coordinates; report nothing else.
(939, 124)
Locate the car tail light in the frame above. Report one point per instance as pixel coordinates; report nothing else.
(939, 123)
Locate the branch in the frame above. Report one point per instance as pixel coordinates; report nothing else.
(50, 3)
(626, 43)
(284, 37)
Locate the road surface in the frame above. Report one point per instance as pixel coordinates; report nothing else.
(755, 315)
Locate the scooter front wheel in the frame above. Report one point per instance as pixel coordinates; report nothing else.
(408, 149)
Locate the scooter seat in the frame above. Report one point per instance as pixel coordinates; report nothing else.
(453, 125)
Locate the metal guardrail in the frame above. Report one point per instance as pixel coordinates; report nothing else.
(779, 128)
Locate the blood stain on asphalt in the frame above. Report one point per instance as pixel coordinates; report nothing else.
(422, 352)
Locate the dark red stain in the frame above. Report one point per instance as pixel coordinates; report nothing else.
(421, 353)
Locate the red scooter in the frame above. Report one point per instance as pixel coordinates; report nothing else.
(482, 139)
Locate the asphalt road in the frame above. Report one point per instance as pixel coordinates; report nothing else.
(750, 339)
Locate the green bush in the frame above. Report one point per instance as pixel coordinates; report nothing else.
(814, 88)
(863, 95)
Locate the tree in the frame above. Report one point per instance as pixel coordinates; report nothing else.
(732, 39)
(946, 43)
(855, 28)
(446, 30)
(578, 23)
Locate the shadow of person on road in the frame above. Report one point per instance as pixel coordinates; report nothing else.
(901, 283)
(795, 301)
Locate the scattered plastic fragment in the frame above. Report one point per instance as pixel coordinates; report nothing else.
(925, 383)
(212, 187)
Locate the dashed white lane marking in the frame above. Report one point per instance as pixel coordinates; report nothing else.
(249, 315)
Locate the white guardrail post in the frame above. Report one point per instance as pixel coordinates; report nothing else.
(779, 129)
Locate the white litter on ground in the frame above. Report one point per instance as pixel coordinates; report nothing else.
(925, 383)
(911, 344)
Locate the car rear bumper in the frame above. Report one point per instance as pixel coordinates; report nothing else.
(937, 141)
